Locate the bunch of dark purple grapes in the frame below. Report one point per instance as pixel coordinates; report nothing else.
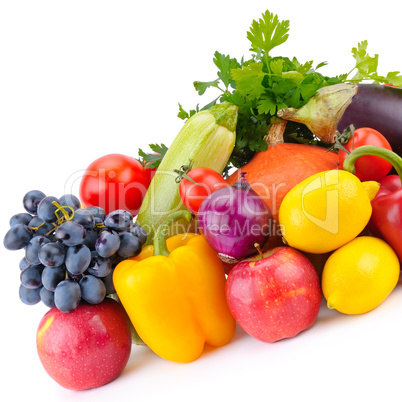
(70, 251)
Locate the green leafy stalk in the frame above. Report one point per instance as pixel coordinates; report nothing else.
(263, 85)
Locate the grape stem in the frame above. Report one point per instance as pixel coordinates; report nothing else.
(35, 228)
(51, 231)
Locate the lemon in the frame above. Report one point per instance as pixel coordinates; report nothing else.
(360, 275)
(326, 211)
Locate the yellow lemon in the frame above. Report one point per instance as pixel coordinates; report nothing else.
(326, 211)
(360, 275)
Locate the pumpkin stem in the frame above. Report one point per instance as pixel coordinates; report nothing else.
(275, 133)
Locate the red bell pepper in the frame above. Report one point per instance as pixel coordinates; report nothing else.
(387, 204)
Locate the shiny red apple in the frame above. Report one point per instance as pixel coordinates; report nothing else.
(274, 295)
(86, 348)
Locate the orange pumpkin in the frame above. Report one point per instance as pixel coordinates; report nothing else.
(272, 173)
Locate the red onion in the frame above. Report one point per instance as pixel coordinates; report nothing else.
(234, 219)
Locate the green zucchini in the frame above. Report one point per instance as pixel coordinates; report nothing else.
(207, 139)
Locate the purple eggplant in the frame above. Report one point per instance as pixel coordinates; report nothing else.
(378, 107)
(336, 107)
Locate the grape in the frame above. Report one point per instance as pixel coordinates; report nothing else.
(52, 276)
(75, 277)
(35, 223)
(47, 210)
(67, 296)
(29, 296)
(47, 297)
(140, 232)
(108, 281)
(93, 290)
(31, 201)
(116, 259)
(90, 239)
(40, 227)
(52, 254)
(98, 223)
(119, 220)
(70, 253)
(17, 237)
(99, 266)
(78, 259)
(70, 200)
(24, 263)
(31, 277)
(130, 245)
(33, 247)
(70, 233)
(107, 243)
(22, 217)
(84, 218)
(97, 212)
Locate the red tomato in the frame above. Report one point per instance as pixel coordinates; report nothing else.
(113, 182)
(368, 167)
(208, 181)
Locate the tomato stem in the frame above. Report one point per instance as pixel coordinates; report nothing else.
(342, 139)
(182, 173)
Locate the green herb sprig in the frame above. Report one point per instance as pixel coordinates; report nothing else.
(264, 84)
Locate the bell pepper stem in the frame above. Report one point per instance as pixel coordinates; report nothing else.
(160, 246)
(394, 159)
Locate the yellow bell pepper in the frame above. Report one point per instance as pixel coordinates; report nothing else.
(174, 294)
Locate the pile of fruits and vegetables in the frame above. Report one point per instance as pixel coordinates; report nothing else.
(284, 189)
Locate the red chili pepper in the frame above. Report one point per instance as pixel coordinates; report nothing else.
(386, 217)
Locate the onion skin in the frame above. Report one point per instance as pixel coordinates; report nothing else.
(234, 219)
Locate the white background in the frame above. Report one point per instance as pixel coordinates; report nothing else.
(81, 79)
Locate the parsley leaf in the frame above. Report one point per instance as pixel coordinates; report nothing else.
(393, 78)
(201, 87)
(186, 115)
(366, 67)
(365, 64)
(263, 84)
(225, 64)
(267, 33)
(249, 80)
(152, 160)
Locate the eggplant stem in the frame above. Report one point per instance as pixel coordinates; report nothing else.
(322, 113)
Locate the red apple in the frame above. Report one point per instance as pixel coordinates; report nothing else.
(87, 347)
(275, 295)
